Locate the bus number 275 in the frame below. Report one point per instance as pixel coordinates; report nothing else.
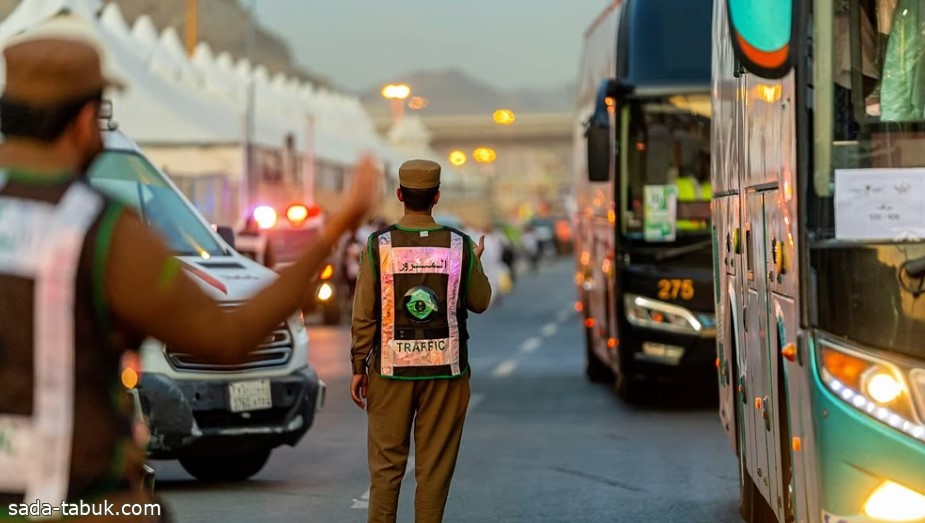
(672, 289)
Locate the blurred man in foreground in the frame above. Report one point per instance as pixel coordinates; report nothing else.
(82, 280)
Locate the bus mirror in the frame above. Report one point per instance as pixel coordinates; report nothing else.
(598, 141)
(226, 234)
(762, 32)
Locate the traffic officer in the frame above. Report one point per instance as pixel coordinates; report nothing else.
(417, 282)
(83, 279)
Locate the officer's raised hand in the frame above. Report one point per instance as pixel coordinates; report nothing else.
(480, 248)
(365, 188)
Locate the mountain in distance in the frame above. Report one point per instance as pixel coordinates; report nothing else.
(453, 92)
(222, 24)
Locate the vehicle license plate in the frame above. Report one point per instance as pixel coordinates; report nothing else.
(244, 396)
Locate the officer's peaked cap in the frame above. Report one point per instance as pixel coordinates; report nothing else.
(419, 174)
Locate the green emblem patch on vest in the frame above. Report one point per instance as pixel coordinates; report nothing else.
(421, 303)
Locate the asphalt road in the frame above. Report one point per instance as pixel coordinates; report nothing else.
(541, 443)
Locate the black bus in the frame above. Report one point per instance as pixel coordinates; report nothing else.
(642, 173)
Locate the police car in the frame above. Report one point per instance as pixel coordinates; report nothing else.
(276, 238)
(220, 421)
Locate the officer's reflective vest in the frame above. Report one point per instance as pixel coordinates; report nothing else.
(422, 278)
(689, 190)
(59, 428)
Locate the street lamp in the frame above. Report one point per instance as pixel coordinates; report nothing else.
(504, 117)
(484, 155)
(397, 93)
(457, 158)
(417, 103)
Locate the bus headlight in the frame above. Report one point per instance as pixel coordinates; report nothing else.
(653, 314)
(883, 387)
(894, 502)
(871, 383)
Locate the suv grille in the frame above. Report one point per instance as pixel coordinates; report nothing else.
(275, 351)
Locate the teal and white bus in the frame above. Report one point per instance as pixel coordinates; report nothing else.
(818, 174)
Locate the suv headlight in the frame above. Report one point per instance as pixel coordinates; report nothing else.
(872, 382)
(653, 314)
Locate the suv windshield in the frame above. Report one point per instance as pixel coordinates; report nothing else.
(131, 179)
(665, 161)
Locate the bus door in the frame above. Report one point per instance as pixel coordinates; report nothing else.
(729, 306)
(764, 387)
(599, 296)
(790, 370)
(727, 246)
(756, 388)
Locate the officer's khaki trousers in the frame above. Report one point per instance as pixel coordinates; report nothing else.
(437, 410)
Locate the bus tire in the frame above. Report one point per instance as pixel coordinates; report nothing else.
(746, 492)
(596, 370)
(628, 387)
(760, 511)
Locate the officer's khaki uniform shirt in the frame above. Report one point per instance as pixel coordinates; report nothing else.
(366, 323)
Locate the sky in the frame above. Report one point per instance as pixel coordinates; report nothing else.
(359, 44)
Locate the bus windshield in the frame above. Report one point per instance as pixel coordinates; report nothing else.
(129, 178)
(665, 161)
(866, 211)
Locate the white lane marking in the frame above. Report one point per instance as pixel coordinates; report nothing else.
(563, 315)
(531, 344)
(549, 329)
(474, 400)
(505, 369)
(362, 502)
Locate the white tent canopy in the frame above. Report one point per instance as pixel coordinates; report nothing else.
(174, 99)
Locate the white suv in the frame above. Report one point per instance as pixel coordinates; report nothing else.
(220, 421)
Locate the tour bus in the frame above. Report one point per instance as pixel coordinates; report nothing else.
(642, 235)
(220, 421)
(818, 172)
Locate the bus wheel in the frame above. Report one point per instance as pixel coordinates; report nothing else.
(627, 387)
(746, 492)
(752, 505)
(596, 370)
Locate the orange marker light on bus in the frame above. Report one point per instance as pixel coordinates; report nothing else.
(589, 323)
(789, 351)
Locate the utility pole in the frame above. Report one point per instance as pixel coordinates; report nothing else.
(249, 182)
(192, 26)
